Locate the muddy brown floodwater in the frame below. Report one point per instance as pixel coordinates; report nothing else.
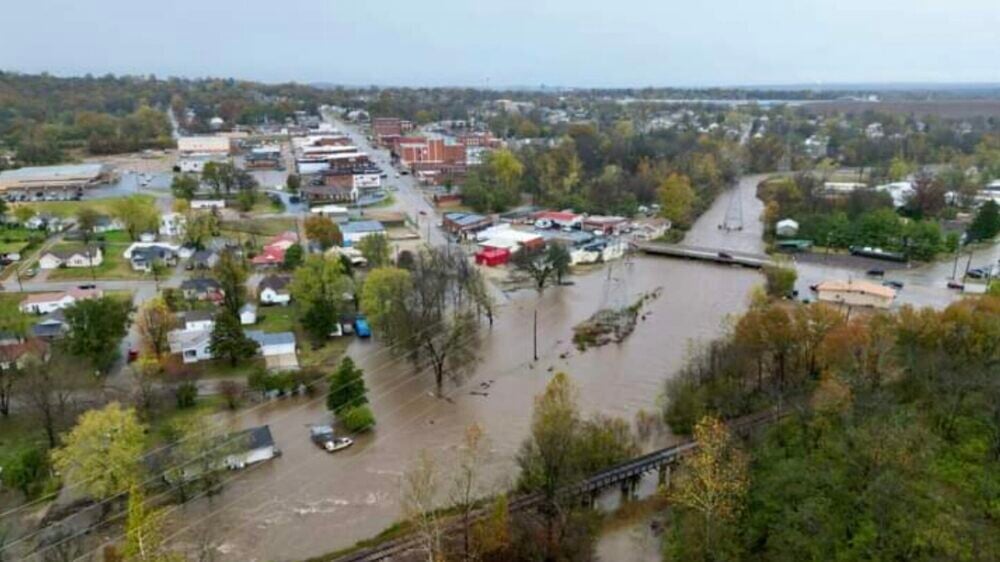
(307, 502)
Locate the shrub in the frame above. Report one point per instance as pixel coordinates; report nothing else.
(26, 471)
(357, 419)
(232, 392)
(186, 394)
(780, 280)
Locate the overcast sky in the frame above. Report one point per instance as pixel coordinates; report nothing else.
(511, 42)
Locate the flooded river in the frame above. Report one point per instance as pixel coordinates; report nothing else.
(307, 502)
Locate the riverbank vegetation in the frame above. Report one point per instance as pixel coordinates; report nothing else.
(863, 217)
(891, 448)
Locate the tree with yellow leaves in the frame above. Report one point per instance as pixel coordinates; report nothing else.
(713, 482)
(101, 454)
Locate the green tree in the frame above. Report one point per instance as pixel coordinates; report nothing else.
(24, 213)
(199, 228)
(139, 214)
(375, 249)
(232, 277)
(780, 281)
(347, 387)
(143, 536)
(986, 224)
(357, 419)
(293, 183)
(26, 470)
(184, 186)
(229, 340)
(323, 231)
(294, 257)
(383, 297)
(677, 199)
(320, 287)
(101, 455)
(96, 326)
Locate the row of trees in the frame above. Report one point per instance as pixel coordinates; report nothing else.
(864, 217)
(612, 171)
(890, 450)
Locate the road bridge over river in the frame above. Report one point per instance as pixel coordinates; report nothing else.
(716, 255)
(626, 475)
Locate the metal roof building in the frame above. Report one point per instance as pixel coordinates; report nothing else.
(71, 176)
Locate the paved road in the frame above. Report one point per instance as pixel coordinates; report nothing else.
(408, 195)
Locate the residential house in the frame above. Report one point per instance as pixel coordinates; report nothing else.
(255, 445)
(202, 289)
(355, 231)
(144, 258)
(192, 345)
(274, 289)
(44, 303)
(52, 326)
(856, 293)
(199, 320)
(105, 224)
(248, 314)
(270, 256)
(204, 259)
(15, 351)
(172, 224)
(900, 191)
(277, 348)
(74, 257)
(786, 227)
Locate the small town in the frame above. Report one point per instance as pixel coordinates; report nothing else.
(256, 319)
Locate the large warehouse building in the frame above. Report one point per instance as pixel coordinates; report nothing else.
(47, 181)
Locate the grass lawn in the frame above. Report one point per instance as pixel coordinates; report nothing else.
(7, 247)
(69, 208)
(259, 227)
(276, 319)
(160, 421)
(114, 267)
(220, 368)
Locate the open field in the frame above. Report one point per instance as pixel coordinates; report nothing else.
(69, 208)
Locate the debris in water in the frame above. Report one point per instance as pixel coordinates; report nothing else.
(610, 325)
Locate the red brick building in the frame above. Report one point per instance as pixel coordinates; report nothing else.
(386, 129)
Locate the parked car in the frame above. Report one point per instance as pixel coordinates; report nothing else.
(956, 285)
(324, 438)
(361, 327)
(977, 273)
(876, 272)
(898, 285)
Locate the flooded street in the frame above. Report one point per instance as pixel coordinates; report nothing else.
(307, 502)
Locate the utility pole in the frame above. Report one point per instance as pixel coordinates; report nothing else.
(535, 335)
